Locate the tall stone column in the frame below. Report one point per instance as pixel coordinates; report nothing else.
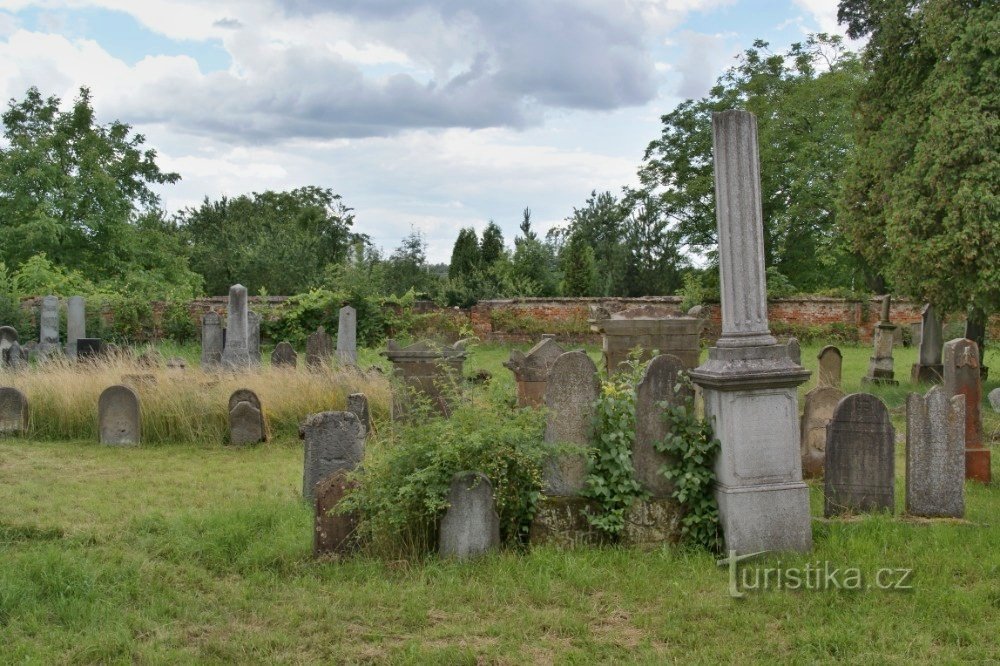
(76, 323)
(236, 355)
(749, 380)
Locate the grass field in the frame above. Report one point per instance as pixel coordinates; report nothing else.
(194, 553)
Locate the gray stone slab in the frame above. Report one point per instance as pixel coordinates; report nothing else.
(333, 440)
(8, 336)
(253, 337)
(319, 349)
(531, 371)
(13, 412)
(243, 395)
(17, 358)
(572, 390)
(246, 424)
(333, 531)
(931, 337)
(118, 416)
(358, 403)
(794, 351)
(860, 457)
(656, 387)
(830, 364)
(935, 455)
(470, 526)
(284, 356)
(76, 323)
(347, 336)
(211, 340)
(48, 317)
(819, 405)
(236, 354)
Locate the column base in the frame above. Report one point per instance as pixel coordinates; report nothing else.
(768, 517)
(977, 465)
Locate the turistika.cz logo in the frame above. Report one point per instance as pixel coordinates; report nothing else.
(813, 576)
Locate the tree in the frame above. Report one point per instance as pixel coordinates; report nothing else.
(600, 224)
(465, 255)
(282, 242)
(406, 269)
(534, 262)
(921, 198)
(579, 267)
(525, 225)
(492, 247)
(653, 263)
(803, 102)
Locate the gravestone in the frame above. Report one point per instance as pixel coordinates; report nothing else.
(244, 395)
(656, 386)
(470, 525)
(89, 349)
(284, 356)
(236, 354)
(48, 344)
(333, 531)
(347, 336)
(962, 377)
(17, 358)
(976, 331)
(935, 455)
(358, 404)
(531, 370)
(640, 327)
(928, 367)
(569, 398)
(819, 405)
(994, 398)
(794, 351)
(13, 412)
(118, 416)
(749, 382)
(8, 336)
(246, 419)
(211, 340)
(427, 371)
(830, 363)
(76, 323)
(319, 348)
(880, 365)
(333, 440)
(253, 338)
(860, 457)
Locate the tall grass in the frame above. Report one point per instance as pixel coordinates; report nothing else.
(189, 405)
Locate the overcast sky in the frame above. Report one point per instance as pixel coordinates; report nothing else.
(431, 114)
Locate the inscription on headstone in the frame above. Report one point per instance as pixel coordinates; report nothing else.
(830, 362)
(319, 348)
(333, 530)
(860, 457)
(211, 340)
(333, 440)
(935, 454)
(657, 386)
(569, 398)
(284, 356)
(819, 405)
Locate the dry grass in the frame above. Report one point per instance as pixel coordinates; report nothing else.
(185, 405)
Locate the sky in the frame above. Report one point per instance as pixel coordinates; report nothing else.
(422, 114)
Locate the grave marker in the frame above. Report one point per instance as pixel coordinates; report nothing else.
(935, 454)
(118, 416)
(347, 336)
(860, 457)
(13, 412)
(962, 377)
(333, 441)
(470, 526)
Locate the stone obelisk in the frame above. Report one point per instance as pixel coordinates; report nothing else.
(236, 354)
(749, 380)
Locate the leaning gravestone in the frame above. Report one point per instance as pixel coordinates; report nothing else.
(49, 328)
(531, 370)
(236, 354)
(819, 405)
(76, 323)
(962, 377)
(880, 366)
(470, 526)
(284, 356)
(118, 416)
(13, 412)
(319, 348)
(830, 363)
(928, 367)
(8, 336)
(935, 455)
(657, 385)
(211, 340)
(253, 337)
(358, 403)
(333, 440)
(860, 457)
(332, 531)
(347, 336)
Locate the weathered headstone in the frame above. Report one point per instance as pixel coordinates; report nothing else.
(830, 363)
(13, 412)
(244, 395)
(118, 416)
(928, 367)
(648, 330)
(17, 358)
(880, 366)
(76, 323)
(962, 377)
(794, 351)
(531, 371)
(253, 338)
(569, 398)
(333, 440)
(935, 455)
(860, 457)
(246, 419)
(657, 385)
(470, 525)
(347, 336)
(319, 348)
(333, 531)
(427, 371)
(49, 328)
(358, 403)
(8, 336)
(975, 330)
(994, 398)
(284, 356)
(749, 382)
(819, 405)
(236, 354)
(211, 340)
(89, 349)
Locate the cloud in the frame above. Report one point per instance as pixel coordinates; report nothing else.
(704, 58)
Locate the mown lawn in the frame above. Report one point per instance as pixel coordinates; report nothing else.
(174, 554)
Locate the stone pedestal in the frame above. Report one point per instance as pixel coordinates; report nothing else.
(749, 381)
(426, 370)
(880, 366)
(625, 331)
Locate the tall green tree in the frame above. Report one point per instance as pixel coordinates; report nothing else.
(492, 246)
(579, 267)
(534, 261)
(654, 264)
(600, 224)
(803, 101)
(407, 269)
(465, 254)
(921, 195)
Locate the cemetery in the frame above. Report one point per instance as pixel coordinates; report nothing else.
(744, 410)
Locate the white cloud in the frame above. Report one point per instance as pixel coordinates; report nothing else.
(704, 58)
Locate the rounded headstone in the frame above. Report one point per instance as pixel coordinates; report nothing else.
(244, 395)
(13, 411)
(118, 416)
(470, 526)
(656, 386)
(860, 460)
(572, 390)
